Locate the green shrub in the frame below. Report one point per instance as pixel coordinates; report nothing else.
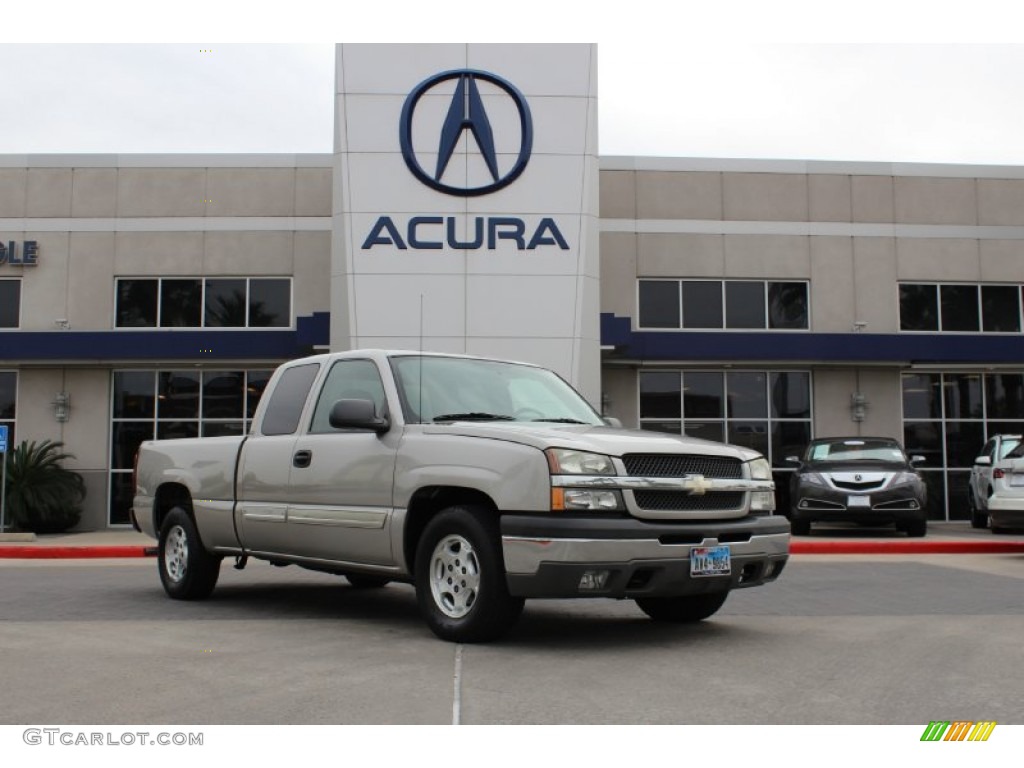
(42, 496)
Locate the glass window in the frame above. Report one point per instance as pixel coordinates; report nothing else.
(660, 395)
(924, 438)
(126, 437)
(221, 428)
(10, 303)
(963, 396)
(962, 441)
(659, 303)
(1000, 309)
(789, 438)
(703, 395)
(133, 395)
(921, 396)
(787, 305)
(348, 379)
(919, 308)
(744, 304)
(790, 395)
(702, 304)
(706, 430)
(226, 303)
(747, 394)
(181, 303)
(750, 434)
(288, 399)
(223, 394)
(136, 303)
(256, 385)
(1004, 396)
(176, 430)
(178, 395)
(959, 307)
(270, 303)
(8, 394)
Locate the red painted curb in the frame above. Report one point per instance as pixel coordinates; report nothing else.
(46, 553)
(798, 547)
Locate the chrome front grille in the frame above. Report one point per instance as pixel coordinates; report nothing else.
(680, 465)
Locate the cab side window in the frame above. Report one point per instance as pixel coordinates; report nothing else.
(348, 380)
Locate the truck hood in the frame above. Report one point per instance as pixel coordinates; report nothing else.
(611, 441)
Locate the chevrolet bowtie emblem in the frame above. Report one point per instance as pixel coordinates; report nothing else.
(699, 485)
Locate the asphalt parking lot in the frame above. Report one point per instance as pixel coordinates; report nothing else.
(886, 639)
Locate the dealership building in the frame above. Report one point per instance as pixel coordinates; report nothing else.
(466, 209)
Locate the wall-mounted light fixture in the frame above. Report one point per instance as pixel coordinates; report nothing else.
(62, 406)
(858, 406)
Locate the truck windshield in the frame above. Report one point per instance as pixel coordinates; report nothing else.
(439, 389)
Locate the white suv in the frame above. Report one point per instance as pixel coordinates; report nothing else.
(981, 487)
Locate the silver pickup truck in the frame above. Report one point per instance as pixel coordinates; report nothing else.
(482, 482)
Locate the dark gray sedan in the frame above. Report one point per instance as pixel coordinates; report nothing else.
(866, 480)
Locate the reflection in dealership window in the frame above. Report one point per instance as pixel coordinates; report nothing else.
(8, 402)
(963, 308)
(237, 302)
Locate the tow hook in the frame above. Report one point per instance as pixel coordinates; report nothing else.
(240, 561)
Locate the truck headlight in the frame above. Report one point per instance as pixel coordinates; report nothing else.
(761, 501)
(564, 461)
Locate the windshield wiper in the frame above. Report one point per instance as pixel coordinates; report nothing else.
(474, 416)
(562, 421)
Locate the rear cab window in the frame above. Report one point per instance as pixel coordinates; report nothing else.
(288, 399)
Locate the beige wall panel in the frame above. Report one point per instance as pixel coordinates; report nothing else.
(678, 195)
(1002, 261)
(618, 273)
(618, 194)
(94, 192)
(619, 387)
(1001, 202)
(925, 200)
(49, 192)
(37, 388)
(938, 259)
(312, 288)
(158, 253)
(249, 253)
(250, 192)
(832, 390)
(44, 288)
(767, 256)
(874, 283)
(161, 191)
(831, 279)
(881, 387)
(91, 272)
(830, 197)
(87, 431)
(680, 255)
(313, 191)
(13, 182)
(765, 197)
(94, 509)
(872, 198)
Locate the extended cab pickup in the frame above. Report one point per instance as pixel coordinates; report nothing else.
(482, 482)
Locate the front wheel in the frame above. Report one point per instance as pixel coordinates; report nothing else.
(460, 577)
(187, 570)
(684, 609)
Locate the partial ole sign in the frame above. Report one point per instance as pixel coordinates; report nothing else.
(25, 256)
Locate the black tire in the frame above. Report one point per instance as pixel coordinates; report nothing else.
(187, 570)
(916, 528)
(365, 581)
(799, 526)
(460, 577)
(684, 609)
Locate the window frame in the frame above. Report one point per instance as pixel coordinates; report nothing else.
(248, 280)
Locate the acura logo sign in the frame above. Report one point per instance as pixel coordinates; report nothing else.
(467, 115)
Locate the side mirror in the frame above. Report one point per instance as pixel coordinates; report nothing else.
(611, 421)
(792, 460)
(915, 460)
(983, 461)
(357, 414)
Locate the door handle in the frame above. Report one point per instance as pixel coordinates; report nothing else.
(302, 459)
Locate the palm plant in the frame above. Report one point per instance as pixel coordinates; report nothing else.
(41, 495)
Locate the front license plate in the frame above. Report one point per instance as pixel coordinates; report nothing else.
(858, 502)
(710, 561)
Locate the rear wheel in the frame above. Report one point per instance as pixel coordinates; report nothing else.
(460, 577)
(187, 570)
(684, 609)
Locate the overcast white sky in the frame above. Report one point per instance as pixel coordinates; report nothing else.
(877, 81)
